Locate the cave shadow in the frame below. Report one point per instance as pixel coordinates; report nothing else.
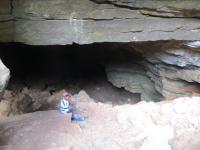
(72, 67)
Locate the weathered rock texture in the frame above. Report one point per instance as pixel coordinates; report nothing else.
(4, 77)
(49, 22)
(160, 8)
(133, 78)
(146, 126)
(167, 67)
(172, 66)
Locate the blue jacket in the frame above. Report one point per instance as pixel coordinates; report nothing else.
(64, 106)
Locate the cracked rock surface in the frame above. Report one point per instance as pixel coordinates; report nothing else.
(49, 22)
(170, 68)
(160, 8)
(159, 126)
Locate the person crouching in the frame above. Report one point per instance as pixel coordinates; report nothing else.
(67, 105)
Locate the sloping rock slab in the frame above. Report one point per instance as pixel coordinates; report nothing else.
(167, 125)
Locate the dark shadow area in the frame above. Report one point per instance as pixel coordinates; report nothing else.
(73, 68)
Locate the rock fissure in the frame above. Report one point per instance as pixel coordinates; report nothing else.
(2, 21)
(174, 30)
(11, 7)
(136, 31)
(172, 9)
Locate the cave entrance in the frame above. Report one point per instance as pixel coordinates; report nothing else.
(72, 68)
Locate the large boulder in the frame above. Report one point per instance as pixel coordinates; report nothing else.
(4, 77)
(144, 126)
(5, 108)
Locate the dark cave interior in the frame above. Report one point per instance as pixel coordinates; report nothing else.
(72, 67)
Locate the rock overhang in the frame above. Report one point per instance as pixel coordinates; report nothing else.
(165, 33)
(65, 22)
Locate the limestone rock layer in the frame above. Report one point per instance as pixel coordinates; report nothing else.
(171, 66)
(50, 22)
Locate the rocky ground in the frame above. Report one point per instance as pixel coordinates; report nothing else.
(161, 60)
(144, 126)
(113, 121)
(44, 94)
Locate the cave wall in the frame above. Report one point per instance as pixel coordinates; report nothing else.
(172, 66)
(161, 32)
(155, 70)
(50, 22)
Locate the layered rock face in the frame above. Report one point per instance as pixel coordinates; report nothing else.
(172, 66)
(160, 32)
(160, 8)
(49, 22)
(169, 67)
(133, 78)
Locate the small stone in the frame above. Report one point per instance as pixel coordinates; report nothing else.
(5, 108)
(25, 90)
(195, 44)
(7, 94)
(82, 96)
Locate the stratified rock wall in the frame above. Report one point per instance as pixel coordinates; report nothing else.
(132, 77)
(50, 22)
(160, 8)
(152, 25)
(172, 66)
(6, 22)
